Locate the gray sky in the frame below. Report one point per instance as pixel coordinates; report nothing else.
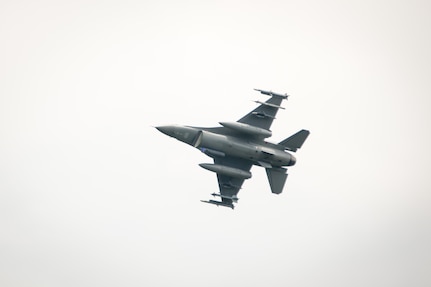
(92, 195)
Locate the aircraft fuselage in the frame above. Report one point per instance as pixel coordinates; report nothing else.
(216, 144)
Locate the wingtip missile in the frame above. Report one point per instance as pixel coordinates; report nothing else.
(271, 93)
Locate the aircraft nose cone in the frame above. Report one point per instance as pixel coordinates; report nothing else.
(167, 130)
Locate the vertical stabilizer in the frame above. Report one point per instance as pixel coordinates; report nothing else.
(277, 178)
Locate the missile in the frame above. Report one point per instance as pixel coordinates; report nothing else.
(247, 129)
(271, 93)
(219, 203)
(234, 198)
(226, 170)
(269, 105)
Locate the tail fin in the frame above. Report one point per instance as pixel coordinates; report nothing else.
(277, 178)
(295, 141)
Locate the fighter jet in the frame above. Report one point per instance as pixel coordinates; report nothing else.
(236, 146)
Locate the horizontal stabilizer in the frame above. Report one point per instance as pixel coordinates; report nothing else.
(277, 178)
(295, 141)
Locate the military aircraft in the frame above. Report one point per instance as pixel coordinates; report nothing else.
(236, 146)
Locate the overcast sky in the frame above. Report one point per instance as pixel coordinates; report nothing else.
(92, 195)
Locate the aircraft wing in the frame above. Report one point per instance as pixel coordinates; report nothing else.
(229, 186)
(264, 114)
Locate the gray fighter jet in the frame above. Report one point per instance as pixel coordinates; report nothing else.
(236, 146)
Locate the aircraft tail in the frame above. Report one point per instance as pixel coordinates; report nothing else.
(277, 178)
(295, 141)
